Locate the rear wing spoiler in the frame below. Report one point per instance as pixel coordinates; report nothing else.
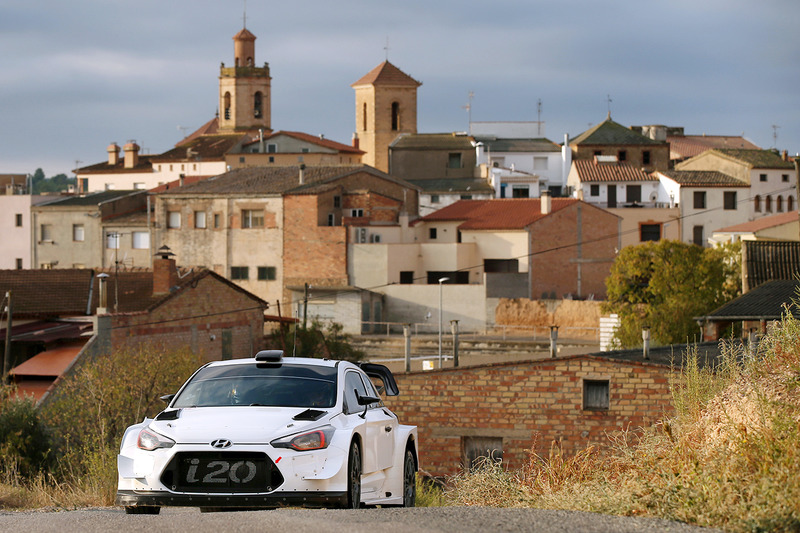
(384, 374)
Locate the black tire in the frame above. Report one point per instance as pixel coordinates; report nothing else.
(409, 479)
(142, 509)
(354, 477)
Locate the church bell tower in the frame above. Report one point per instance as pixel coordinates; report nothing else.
(244, 89)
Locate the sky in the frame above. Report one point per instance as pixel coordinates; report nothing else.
(79, 75)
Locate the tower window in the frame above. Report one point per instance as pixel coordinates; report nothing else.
(395, 116)
(258, 105)
(227, 105)
(364, 117)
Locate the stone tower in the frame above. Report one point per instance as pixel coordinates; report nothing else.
(244, 89)
(386, 107)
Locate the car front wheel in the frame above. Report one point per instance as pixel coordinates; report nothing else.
(354, 477)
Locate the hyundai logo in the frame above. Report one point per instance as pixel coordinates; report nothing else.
(221, 443)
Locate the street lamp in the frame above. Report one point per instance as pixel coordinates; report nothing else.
(441, 280)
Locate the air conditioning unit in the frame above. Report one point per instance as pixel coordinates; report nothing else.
(361, 234)
(375, 237)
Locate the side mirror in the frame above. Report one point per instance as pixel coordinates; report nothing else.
(366, 400)
(166, 398)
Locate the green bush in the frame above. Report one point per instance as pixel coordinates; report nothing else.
(24, 441)
(315, 341)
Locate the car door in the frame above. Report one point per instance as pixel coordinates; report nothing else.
(380, 426)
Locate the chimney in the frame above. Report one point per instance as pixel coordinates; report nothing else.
(102, 307)
(302, 174)
(113, 154)
(546, 202)
(355, 140)
(131, 150)
(785, 155)
(165, 272)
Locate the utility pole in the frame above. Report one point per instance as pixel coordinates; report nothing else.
(305, 304)
(7, 352)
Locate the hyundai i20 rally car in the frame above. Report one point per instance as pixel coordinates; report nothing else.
(268, 432)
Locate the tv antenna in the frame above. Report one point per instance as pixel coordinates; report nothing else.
(468, 107)
(775, 135)
(386, 49)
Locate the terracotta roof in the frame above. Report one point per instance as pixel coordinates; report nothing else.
(92, 199)
(202, 148)
(765, 302)
(703, 178)
(610, 132)
(209, 128)
(756, 158)
(764, 261)
(144, 165)
(432, 141)
(244, 35)
(50, 363)
(176, 184)
(590, 171)
(387, 74)
(685, 146)
(762, 223)
(454, 185)
(496, 214)
(312, 139)
(48, 293)
(495, 145)
(276, 180)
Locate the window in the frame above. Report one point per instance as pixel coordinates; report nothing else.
(431, 233)
(18, 220)
(539, 163)
(239, 273)
(699, 199)
(594, 190)
(217, 220)
(141, 240)
(595, 394)
(465, 197)
(650, 232)
(271, 159)
(353, 386)
(46, 232)
(337, 201)
(633, 193)
(697, 235)
(407, 277)
(646, 157)
(729, 200)
(267, 273)
(257, 105)
(364, 117)
(331, 219)
(768, 204)
(78, 233)
(785, 178)
(139, 185)
(762, 177)
(200, 219)
(272, 148)
(622, 155)
(395, 116)
(241, 159)
(520, 192)
(479, 450)
(174, 219)
(356, 213)
(757, 204)
(252, 218)
(779, 204)
(112, 240)
(19, 263)
(227, 106)
(790, 203)
(454, 160)
(434, 198)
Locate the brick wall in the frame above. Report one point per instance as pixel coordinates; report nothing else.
(558, 263)
(526, 404)
(197, 317)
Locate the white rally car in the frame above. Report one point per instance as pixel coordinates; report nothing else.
(268, 432)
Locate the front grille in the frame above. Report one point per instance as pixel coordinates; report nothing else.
(221, 472)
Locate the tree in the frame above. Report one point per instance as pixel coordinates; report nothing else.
(42, 185)
(314, 342)
(664, 285)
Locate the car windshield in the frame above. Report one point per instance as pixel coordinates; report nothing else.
(263, 385)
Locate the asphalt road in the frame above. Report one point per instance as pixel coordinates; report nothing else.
(429, 519)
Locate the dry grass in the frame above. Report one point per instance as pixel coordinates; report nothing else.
(728, 458)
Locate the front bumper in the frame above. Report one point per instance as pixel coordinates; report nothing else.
(130, 498)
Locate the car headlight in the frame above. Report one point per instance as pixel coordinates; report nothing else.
(317, 439)
(150, 440)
